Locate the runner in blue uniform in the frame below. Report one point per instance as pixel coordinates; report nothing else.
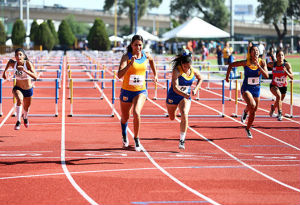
(179, 95)
(254, 67)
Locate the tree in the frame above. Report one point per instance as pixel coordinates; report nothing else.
(214, 11)
(128, 7)
(98, 38)
(45, 37)
(34, 30)
(65, 35)
(78, 28)
(2, 34)
(278, 14)
(18, 34)
(54, 33)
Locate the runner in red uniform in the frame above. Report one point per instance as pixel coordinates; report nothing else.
(281, 69)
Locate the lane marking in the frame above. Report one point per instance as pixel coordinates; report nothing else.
(158, 166)
(142, 169)
(63, 138)
(237, 159)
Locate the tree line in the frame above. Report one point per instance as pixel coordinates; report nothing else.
(46, 36)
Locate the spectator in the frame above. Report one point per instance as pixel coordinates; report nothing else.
(220, 56)
(227, 52)
(204, 52)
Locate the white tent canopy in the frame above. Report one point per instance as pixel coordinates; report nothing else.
(146, 35)
(115, 38)
(195, 28)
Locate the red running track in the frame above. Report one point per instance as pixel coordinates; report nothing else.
(80, 160)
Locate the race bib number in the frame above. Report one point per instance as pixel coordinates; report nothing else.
(253, 81)
(184, 89)
(19, 73)
(281, 80)
(136, 80)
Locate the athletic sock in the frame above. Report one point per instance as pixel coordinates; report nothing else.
(25, 114)
(182, 136)
(19, 112)
(124, 129)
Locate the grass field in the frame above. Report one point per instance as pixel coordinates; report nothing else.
(295, 63)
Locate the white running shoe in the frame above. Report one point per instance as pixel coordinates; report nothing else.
(181, 144)
(138, 147)
(249, 135)
(18, 125)
(244, 117)
(125, 141)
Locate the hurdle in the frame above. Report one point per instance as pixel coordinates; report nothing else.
(37, 80)
(71, 83)
(291, 114)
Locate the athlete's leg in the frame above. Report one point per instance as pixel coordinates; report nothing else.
(125, 114)
(171, 110)
(184, 107)
(252, 104)
(138, 103)
(276, 92)
(19, 98)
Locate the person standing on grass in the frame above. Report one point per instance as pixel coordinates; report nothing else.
(133, 67)
(24, 71)
(179, 94)
(280, 70)
(254, 67)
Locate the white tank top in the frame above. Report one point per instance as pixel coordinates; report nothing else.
(20, 75)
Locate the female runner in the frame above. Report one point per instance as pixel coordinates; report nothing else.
(24, 71)
(133, 67)
(254, 67)
(179, 94)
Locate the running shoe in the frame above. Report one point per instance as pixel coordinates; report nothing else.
(137, 145)
(26, 122)
(18, 125)
(125, 141)
(279, 117)
(244, 117)
(272, 110)
(249, 135)
(181, 144)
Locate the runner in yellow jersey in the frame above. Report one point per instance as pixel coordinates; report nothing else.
(133, 67)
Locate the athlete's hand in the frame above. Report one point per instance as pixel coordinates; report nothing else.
(187, 96)
(227, 79)
(194, 92)
(155, 79)
(4, 75)
(133, 58)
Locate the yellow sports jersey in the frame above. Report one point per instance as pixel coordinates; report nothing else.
(134, 78)
(184, 75)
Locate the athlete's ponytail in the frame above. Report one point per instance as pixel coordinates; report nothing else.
(134, 38)
(182, 58)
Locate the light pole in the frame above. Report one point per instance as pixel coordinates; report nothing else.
(21, 9)
(136, 16)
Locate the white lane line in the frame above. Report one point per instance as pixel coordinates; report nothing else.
(235, 158)
(7, 116)
(138, 169)
(63, 138)
(281, 141)
(159, 167)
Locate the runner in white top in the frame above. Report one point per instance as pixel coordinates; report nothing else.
(24, 71)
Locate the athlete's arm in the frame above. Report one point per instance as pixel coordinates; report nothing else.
(124, 66)
(30, 70)
(288, 69)
(234, 64)
(199, 82)
(175, 75)
(152, 65)
(263, 68)
(10, 63)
